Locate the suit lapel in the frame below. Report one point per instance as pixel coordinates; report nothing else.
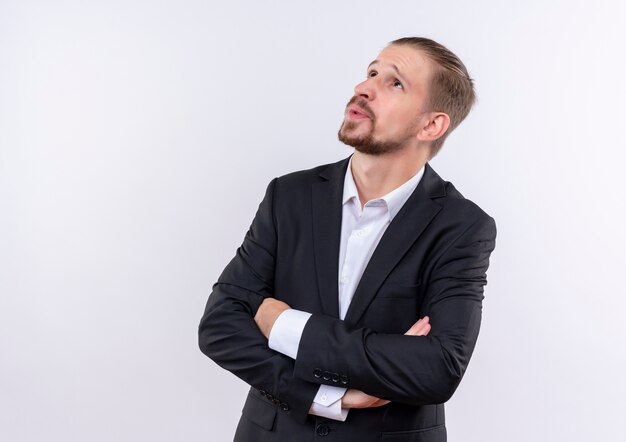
(403, 231)
(327, 214)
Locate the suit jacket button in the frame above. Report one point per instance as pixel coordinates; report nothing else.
(344, 379)
(263, 392)
(317, 372)
(284, 406)
(269, 396)
(326, 376)
(323, 430)
(335, 377)
(275, 401)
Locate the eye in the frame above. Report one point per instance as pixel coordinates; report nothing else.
(397, 84)
(372, 74)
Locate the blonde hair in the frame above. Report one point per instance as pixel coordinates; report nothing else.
(451, 89)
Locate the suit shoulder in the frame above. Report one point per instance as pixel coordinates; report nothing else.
(304, 175)
(455, 203)
(314, 174)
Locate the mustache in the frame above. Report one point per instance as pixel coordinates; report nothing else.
(362, 103)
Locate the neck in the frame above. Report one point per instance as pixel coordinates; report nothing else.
(377, 175)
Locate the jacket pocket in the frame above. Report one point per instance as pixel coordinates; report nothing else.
(433, 434)
(258, 411)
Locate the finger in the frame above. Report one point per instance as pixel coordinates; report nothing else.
(417, 328)
(357, 399)
(424, 331)
(365, 403)
(379, 403)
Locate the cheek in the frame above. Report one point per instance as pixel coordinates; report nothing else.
(393, 123)
(394, 118)
(407, 119)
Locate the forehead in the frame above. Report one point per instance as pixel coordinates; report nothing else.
(411, 62)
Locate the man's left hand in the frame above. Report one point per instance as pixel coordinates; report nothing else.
(357, 399)
(268, 313)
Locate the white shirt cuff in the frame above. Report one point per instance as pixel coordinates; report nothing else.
(287, 331)
(327, 403)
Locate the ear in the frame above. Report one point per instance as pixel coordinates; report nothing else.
(436, 125)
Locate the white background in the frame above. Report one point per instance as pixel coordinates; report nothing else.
(137, 139)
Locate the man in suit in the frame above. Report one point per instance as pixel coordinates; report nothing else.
(354, 303)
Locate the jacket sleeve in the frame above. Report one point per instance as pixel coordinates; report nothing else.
(227, 332)
(415, 370)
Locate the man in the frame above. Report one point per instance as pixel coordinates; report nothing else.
(354, 303)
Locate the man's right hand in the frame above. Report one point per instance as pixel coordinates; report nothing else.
(357, 399)
(420, 328)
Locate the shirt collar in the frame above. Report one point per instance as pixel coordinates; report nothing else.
(349, 187)
(394, 200)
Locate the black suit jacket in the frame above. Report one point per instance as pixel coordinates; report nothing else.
(430, 261)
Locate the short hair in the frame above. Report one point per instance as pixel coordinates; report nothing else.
(451, 89)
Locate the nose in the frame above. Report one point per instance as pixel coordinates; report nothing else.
(366, 89)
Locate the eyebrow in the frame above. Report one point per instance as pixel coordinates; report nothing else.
(395, 68)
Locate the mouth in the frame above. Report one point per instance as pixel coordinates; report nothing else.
(356, 113)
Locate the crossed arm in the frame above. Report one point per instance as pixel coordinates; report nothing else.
(271, 309)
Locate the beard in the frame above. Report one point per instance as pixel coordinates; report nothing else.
(366, 143)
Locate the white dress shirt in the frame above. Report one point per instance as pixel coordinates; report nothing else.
(361, 230)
